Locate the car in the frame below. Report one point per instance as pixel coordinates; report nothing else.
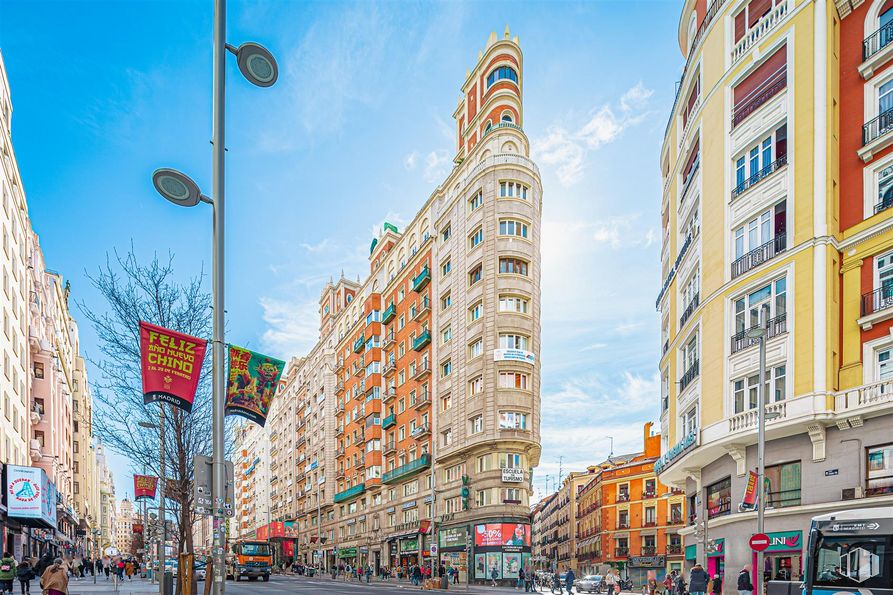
(198, 571)
(591, 583)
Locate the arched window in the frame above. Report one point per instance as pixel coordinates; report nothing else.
(502, 73)
(507, 117)
(692, 30)
(488, 126)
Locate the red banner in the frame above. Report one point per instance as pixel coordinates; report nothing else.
(750, 491)
(138, 528)
(171, 365)
(144, 487)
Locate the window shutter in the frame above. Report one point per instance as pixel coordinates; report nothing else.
(739, 25)
(750, 93)
(756, 9)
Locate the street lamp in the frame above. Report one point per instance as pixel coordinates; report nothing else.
(259, 67)
(760, 332)
(161, 481)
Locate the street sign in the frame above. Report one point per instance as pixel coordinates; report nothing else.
(203, 493)
(759, 542)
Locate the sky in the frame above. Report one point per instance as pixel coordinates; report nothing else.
(358, 130)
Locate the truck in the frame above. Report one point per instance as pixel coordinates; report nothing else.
(251, 559)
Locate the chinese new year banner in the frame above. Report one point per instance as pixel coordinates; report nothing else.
(144, 487)
(253, 379)
(171, 365)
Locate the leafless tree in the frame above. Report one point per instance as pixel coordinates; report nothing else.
(149, 291)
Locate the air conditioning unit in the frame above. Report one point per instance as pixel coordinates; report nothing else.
(852, 493)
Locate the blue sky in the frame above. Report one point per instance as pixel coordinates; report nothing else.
(358, 130)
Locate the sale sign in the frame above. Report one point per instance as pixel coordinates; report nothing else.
(171, 365)
(144, 487)
(253, 380)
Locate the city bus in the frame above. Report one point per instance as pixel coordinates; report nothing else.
(250, 559)
(851, 552)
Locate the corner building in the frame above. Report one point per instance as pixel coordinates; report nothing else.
(774, 205)
(429, 368)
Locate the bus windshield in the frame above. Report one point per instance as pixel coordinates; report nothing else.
(860, 561)
(255, 549)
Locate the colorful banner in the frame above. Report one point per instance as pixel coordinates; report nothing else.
(30, 494)
(291, 529)
(144, 487)
(138, 528)
(253, 379)
(750, 491)
(499, 534)
(171, 365)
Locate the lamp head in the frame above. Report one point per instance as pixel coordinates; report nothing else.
(176, 187)
(257, 64)
(755, 332)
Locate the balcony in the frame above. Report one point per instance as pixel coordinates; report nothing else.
(648, 550)
(339, 388)
(876, 50)
(501, 125)
(689, 375)
(389, 448)
(689, 310)
(340, 365)
(339, 431)
(407, 470)
(339, 408)
(359, 345)
(389, 422)
(388, 339)
(674, 549)
(759, 176)
(759, 30)
(621, 552)
(350, 493)
(421, 280)
(420, 310)
(422, 341)
(423, 400)
(422, 370)
(777, 326)
(772, 86)
(759, 255)
(623, 497)
(421, 431)
(623, 524)
(390, 367)
(875, 135)
(389, 313)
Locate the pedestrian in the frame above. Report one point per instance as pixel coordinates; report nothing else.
(7, 572)
(417, 575)
(24, 572)
(697, 580)
(528, 578)
(745, 585)
(668, 582)
(494, 574)
(520, 582)
(556, 582)
(610, 581)
(651, 583)
(54, 579)
(128, 569)
(717, 584)
(368, 573)
(569, 580)
(107, 567)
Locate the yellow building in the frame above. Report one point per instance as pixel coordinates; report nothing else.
(751, 213)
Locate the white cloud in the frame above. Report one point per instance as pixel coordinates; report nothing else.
(436, 166)
(292, 327)
(410, 160)
(321, 246)
(565, 147)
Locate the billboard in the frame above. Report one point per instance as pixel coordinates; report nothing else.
(253, 380)
(30, 494)
(171, 364)
(499, 534)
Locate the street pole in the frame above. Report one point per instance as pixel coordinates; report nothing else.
(761, 443)
(161, 508)
(318, 525)
(217, 192)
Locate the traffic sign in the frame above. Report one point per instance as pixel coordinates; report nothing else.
(759, 542)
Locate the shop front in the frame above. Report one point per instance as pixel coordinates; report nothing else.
(501, 550)
(640, 566)
(408, 551)
(453, 544)
(691, 555)
(716, 558)
(347, 556)
(783, 559)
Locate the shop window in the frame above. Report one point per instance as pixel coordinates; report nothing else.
(719, 498)
(879, 470)
(782, 485)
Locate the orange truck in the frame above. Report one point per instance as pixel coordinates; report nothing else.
(251, 559)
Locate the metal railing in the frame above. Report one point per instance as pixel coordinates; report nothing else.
(689, 310)
(783, 498)
(759, 255)
(877, 41)
(877, 127)
(777, 326)
(877, 300)
(689, 375)
(686, 183)
(760, 175)
(774, 84)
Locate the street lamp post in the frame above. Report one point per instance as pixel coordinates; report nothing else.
(161, 488)
(259, 67)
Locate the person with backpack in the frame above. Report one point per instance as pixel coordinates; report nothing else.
(25, 573)
(745, 585)
(7, 572)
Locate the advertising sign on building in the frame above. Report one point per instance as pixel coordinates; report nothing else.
(144, 487)
(500, 534)
(514, 355)
(253, 379)
(171, 365)
(455, 537)
(511, 475)
(750, 492)
(30, 494)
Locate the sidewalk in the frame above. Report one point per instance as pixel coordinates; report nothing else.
(85, 586)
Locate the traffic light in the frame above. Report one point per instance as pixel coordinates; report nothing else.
(465, 492)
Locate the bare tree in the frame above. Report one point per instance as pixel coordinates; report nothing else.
(136, 291)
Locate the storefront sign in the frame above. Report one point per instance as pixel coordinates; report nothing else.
(513, 355)
(407, 505)
(452, 537)
(496, 534)
(717, 548)
(785, 541)
(171, 365)
(347, 552)
(512, 475)
(409, 545)
(253, 379)
(691, 552)
(691, 440)
(648, 561)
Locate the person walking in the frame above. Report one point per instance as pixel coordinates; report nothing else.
(569, 580)
(697, 580)
(556, 582)
(494, 574)
(54, 579)
(7, 572)
(651, 583)
(745, 585)
(717, 584)
(128, 569)
(680, 584)
(610, 581)
(25, 573)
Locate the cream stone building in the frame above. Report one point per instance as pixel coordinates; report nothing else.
(124, 520)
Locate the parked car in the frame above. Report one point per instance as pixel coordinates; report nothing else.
(591, 583)
(199, 571)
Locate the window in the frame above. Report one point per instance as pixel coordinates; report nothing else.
(650, 515)
(445, 301)
(761, 85)
(503, 73)
(761, 159)
(446, 368)
(475, 312)
(512, 266)
(515, 380)
(476, 201)
(759, 231)
(446, 402)
(511, 303)
(512, 341)
(446, 437)
(512, 496)
(475, 386)
(476, 424)
(511, 227)
(447, 232)
(719, 498)
(510, 460)
(38, 370)
(689, 421)
(483, 497)
(445, 267)
(485, 463)
(747, 308)
(513, 190)
(690, 354)
(884, 186)
(476, 348)
(783, 485)
(512, 420)
(879, 470)
(476, 274)
(475, 239)
(446, 334)
(884, 364)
